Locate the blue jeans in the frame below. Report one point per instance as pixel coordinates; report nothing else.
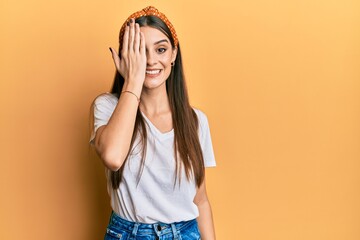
(122, 229)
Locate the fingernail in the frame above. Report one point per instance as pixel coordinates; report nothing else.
(110, 50)
(131, 20)
(127, 23)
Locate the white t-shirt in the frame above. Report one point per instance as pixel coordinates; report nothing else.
(155, 198)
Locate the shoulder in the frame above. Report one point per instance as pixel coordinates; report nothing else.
(106, 98)
(199, 112)
(202, 117)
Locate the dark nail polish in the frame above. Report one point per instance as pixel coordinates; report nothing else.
(131, 20)
(128, 23)
(110, 50)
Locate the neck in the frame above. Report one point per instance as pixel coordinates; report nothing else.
(154, 101)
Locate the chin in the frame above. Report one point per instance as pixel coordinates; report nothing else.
(153, 83)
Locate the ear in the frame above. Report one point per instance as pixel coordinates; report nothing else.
(174, 53)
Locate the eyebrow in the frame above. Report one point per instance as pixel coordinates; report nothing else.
(163, 40)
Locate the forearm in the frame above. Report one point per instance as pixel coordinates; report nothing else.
(114, 142)
(205, 221)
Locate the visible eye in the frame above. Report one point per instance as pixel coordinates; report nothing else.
(161, 50)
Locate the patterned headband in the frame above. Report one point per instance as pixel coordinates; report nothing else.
(149, 11)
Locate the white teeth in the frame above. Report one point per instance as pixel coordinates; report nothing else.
(152, 71)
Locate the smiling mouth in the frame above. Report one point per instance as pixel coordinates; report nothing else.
(153, 72)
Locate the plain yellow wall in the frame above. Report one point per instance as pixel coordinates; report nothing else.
(279, 81)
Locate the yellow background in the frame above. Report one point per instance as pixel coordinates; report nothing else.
(278, 80)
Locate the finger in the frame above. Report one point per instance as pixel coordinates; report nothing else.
(125, 40)
(131, 35)
(116, 58)
(142, 44)
(137, 38)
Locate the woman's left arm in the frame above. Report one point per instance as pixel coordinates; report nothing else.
(205, 219)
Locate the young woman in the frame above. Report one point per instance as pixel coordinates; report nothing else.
(154, 145)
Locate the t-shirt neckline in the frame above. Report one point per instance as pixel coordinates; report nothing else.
(157, 131)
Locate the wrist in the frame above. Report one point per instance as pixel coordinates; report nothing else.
(130, 92)
(132, 87)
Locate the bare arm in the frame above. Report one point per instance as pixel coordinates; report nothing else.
(112, 141)
(205, 219)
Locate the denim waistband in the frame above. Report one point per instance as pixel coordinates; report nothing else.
(158, 228)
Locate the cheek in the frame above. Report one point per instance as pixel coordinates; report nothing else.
(166, 59)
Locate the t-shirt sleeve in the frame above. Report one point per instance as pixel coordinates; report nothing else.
(104, 106)
(205, 140)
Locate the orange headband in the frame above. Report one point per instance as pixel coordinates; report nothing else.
(150, 11)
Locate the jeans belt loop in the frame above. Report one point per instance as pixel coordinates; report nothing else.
(175, 231)
(135, 229)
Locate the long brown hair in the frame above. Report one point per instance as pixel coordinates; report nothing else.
(185, 121)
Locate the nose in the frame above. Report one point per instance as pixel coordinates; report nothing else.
(150, 58)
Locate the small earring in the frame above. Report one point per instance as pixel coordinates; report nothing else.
(172, 64)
